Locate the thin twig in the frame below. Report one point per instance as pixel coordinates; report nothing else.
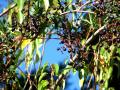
(88, 2)
(90, 80)
(78, 10)
(96, 33)
(32, 82)
(25, 84)
(7, 10)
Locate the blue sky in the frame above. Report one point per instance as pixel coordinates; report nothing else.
(3, 4)
(53, 56)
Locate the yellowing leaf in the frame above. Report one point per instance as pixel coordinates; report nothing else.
(83, 41)
(81, 82)
(24, 43)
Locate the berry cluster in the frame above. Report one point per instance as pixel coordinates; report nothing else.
(108, 9)
(31, 26)
(72, 39)
(111, 35)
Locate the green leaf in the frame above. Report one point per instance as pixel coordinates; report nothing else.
(37, 45)
(18, 55)
(81, 73)
(118, 50)
(85, 20)
(44, 67)
(110, 71)
(10, 17)
(16, 33)
(56, 68)
(83, 42)
(42, 84)
(74, 71)
(102, 51)
(30, 51)
(54, 3)
(12, 68)
(29, 55)
(58, 88)
(67, 69)
(42, 75)
(20, 5)
(22, 74)
(70, 3)
(66, 61)
(111, 88)
(94, 47)
(63, 84)
(81, 76)
(20, 17)
(101, 74)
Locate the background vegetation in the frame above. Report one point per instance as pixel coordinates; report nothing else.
(89, 31)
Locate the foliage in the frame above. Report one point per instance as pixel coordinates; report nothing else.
(89, 31)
